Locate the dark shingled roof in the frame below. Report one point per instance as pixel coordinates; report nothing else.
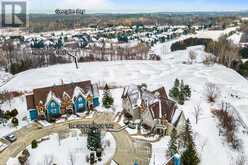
(40, 94)
(30, 101)
(162, 92)
(168, 108)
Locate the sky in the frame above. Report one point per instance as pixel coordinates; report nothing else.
(135, 6)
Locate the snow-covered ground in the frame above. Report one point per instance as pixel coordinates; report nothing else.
(4, 77)
(235, 38)
(159, 150)
(18, 103)
(214, 34)
(212, 148)
(72, 150)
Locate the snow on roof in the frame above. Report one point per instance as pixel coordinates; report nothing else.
(78, 91)
(51, 96)
(176, 116)
(95, 90)
(66, 94)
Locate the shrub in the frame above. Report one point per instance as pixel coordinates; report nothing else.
(14, 113)
(243, 52)
(34, 144)
(228, 124)
(26, 153)
(212, 92)
(7, 115)
(15, 121)
(22, 159)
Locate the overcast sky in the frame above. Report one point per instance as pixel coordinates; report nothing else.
(138, 5)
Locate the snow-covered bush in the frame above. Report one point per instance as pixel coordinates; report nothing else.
(212, 92)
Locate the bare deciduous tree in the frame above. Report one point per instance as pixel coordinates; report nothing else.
(212, 92)
(197, 112)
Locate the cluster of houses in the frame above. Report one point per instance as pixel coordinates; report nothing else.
(52, 102)
(152, 109)
(80, 38)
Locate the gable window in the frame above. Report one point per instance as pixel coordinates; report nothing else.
(53, 107)
(80, 99)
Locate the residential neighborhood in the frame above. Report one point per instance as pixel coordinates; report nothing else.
(105, 82)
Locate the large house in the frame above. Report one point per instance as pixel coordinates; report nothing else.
(153, 108)
(49, 102)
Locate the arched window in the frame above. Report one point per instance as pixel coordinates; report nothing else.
(53, 105)
(80, 99)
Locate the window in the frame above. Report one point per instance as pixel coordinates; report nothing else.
(81, 105)
(53, 110)
(80, 99)
(53, 105)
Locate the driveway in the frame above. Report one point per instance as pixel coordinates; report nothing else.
(127, 150)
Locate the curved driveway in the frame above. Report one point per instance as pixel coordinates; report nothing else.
(127, 150)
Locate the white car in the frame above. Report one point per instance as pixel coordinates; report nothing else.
(3, 146)
(11, 137)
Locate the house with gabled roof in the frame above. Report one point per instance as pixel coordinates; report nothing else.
(153, 108)
(57, 100)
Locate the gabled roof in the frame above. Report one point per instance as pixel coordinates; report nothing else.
(163, 108)
(178, 118)
(41, 94)
(161, 92)
(52, 97)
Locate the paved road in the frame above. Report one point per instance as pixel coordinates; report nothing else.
(126, 152)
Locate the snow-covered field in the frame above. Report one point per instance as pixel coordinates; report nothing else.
(214, 34)
(235, 38)
(4, 77)
(212, 148)
(72, 150)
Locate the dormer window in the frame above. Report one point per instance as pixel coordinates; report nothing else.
(53, 105)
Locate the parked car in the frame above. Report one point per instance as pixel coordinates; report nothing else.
(3, 146)
(11, 137)
(131, 125)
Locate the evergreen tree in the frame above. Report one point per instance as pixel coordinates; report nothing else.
(180, 92)
(107, 98)
(173, 143)
(174, 92)
(187, 91)
(190, 155)
(181, 98)
(94, 139)
(176, 83)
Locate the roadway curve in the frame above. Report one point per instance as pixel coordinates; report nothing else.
(126, 150)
